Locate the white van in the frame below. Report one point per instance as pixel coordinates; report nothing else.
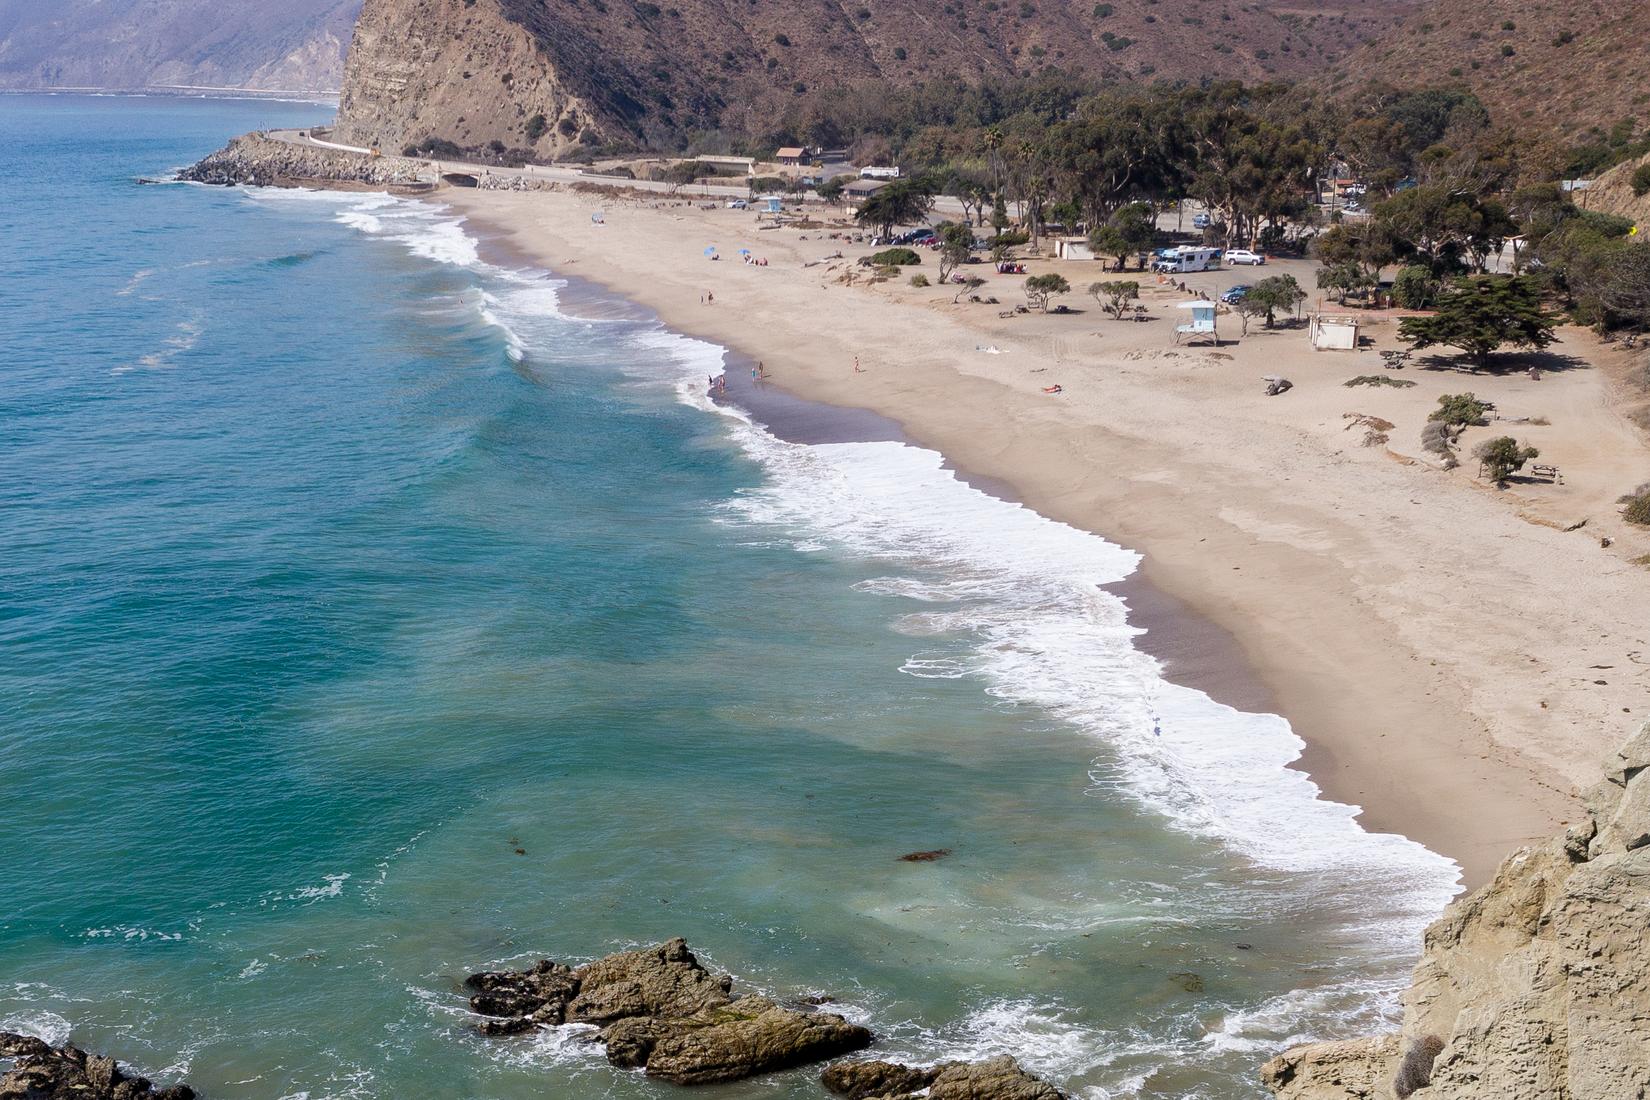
(1183, 260)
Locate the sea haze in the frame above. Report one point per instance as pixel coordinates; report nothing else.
(369, 620)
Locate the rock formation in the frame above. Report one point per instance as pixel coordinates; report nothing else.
(660, 1010)
(998, 1078)
(44, 1072)
(259, 161)
(1534, 987)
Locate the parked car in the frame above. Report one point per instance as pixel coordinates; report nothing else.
(1243, 256)
(1234, 293)
(737, 204)
(924, 235)
(1201, 221)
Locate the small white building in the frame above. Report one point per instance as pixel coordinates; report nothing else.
(876, 172)
(1073, 248)
(1333, 333)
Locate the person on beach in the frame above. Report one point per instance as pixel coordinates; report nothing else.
(1056, 388)
(761, 370)
(857, 368)
(753, 374)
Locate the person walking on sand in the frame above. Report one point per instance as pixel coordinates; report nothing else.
(857, 368)
(761, 370)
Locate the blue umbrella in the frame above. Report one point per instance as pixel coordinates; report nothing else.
(744, 252)
(710, 250)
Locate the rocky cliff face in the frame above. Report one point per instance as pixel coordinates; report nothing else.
(544, 75)
(1535, 987)
(297, 45)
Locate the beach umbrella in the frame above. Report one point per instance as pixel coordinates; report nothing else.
(710, 250)
(744, 252)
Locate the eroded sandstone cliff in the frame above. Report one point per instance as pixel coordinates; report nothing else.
(1534, 987)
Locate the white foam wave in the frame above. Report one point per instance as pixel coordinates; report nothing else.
(1041, 630)
(425, 229)
(38, 1023)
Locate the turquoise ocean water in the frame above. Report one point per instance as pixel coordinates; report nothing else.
(338, 564)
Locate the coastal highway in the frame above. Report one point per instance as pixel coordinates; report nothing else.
(536, 171)
(1168, 221)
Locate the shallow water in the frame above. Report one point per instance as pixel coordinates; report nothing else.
(337, 565)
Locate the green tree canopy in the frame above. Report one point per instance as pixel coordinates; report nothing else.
(1130, 230)
(1480, 315)
(902, 202)
(1041, 288)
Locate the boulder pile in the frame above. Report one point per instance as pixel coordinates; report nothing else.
(41, 1071)
(658, 1009)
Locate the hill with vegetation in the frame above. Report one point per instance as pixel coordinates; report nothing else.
(298, 45)
(1569, 69)
(545, 76)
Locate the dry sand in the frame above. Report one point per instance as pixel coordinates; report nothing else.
(1456, 661)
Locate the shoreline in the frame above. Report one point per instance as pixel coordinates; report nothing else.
(1192, 649)
(1391, 725)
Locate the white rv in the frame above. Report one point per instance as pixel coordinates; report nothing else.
(1182, 260)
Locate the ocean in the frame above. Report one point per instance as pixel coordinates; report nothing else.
(375, 611)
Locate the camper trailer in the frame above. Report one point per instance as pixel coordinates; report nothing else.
(1182, 260)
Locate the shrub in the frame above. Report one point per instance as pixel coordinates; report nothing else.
(535, 128)
(919, 279)
(1641, 179)
(1638, 505)
(1457, 410)
(1502, 457)
(1435, 437)
(1379, 380)
(893, 257)
(1416, 1070)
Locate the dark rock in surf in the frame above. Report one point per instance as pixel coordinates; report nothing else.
(998, 1078)
(660, 1010)
(41, 1071)
(925, 857)
(861, 1080)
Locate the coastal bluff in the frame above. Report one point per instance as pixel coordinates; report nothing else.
(1534, 987)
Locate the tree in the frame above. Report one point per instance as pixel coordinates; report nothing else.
(956, 247)
(1502, 457)
(1345, 278)
(1041, 288)
(831, 189)
(1115, 297)
(1414, 287)
(1270, 295)
(1129, 231)
(971, 283)
(902, 202)
(1482, 313)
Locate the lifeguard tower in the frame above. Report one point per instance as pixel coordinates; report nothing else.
(1202, 324)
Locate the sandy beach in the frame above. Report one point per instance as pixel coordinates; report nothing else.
(1457, 660)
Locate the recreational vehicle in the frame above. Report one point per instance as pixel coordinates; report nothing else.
(1183, 260)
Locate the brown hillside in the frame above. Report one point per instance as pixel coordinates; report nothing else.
(1573, 65)
(477, 71)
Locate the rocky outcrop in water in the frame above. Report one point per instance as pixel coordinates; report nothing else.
(44, 1072)
(660, 1010)
(256, 160)
(998, 1078)
(1534, 987)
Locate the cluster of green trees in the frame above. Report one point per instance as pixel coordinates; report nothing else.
(1446, 189)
